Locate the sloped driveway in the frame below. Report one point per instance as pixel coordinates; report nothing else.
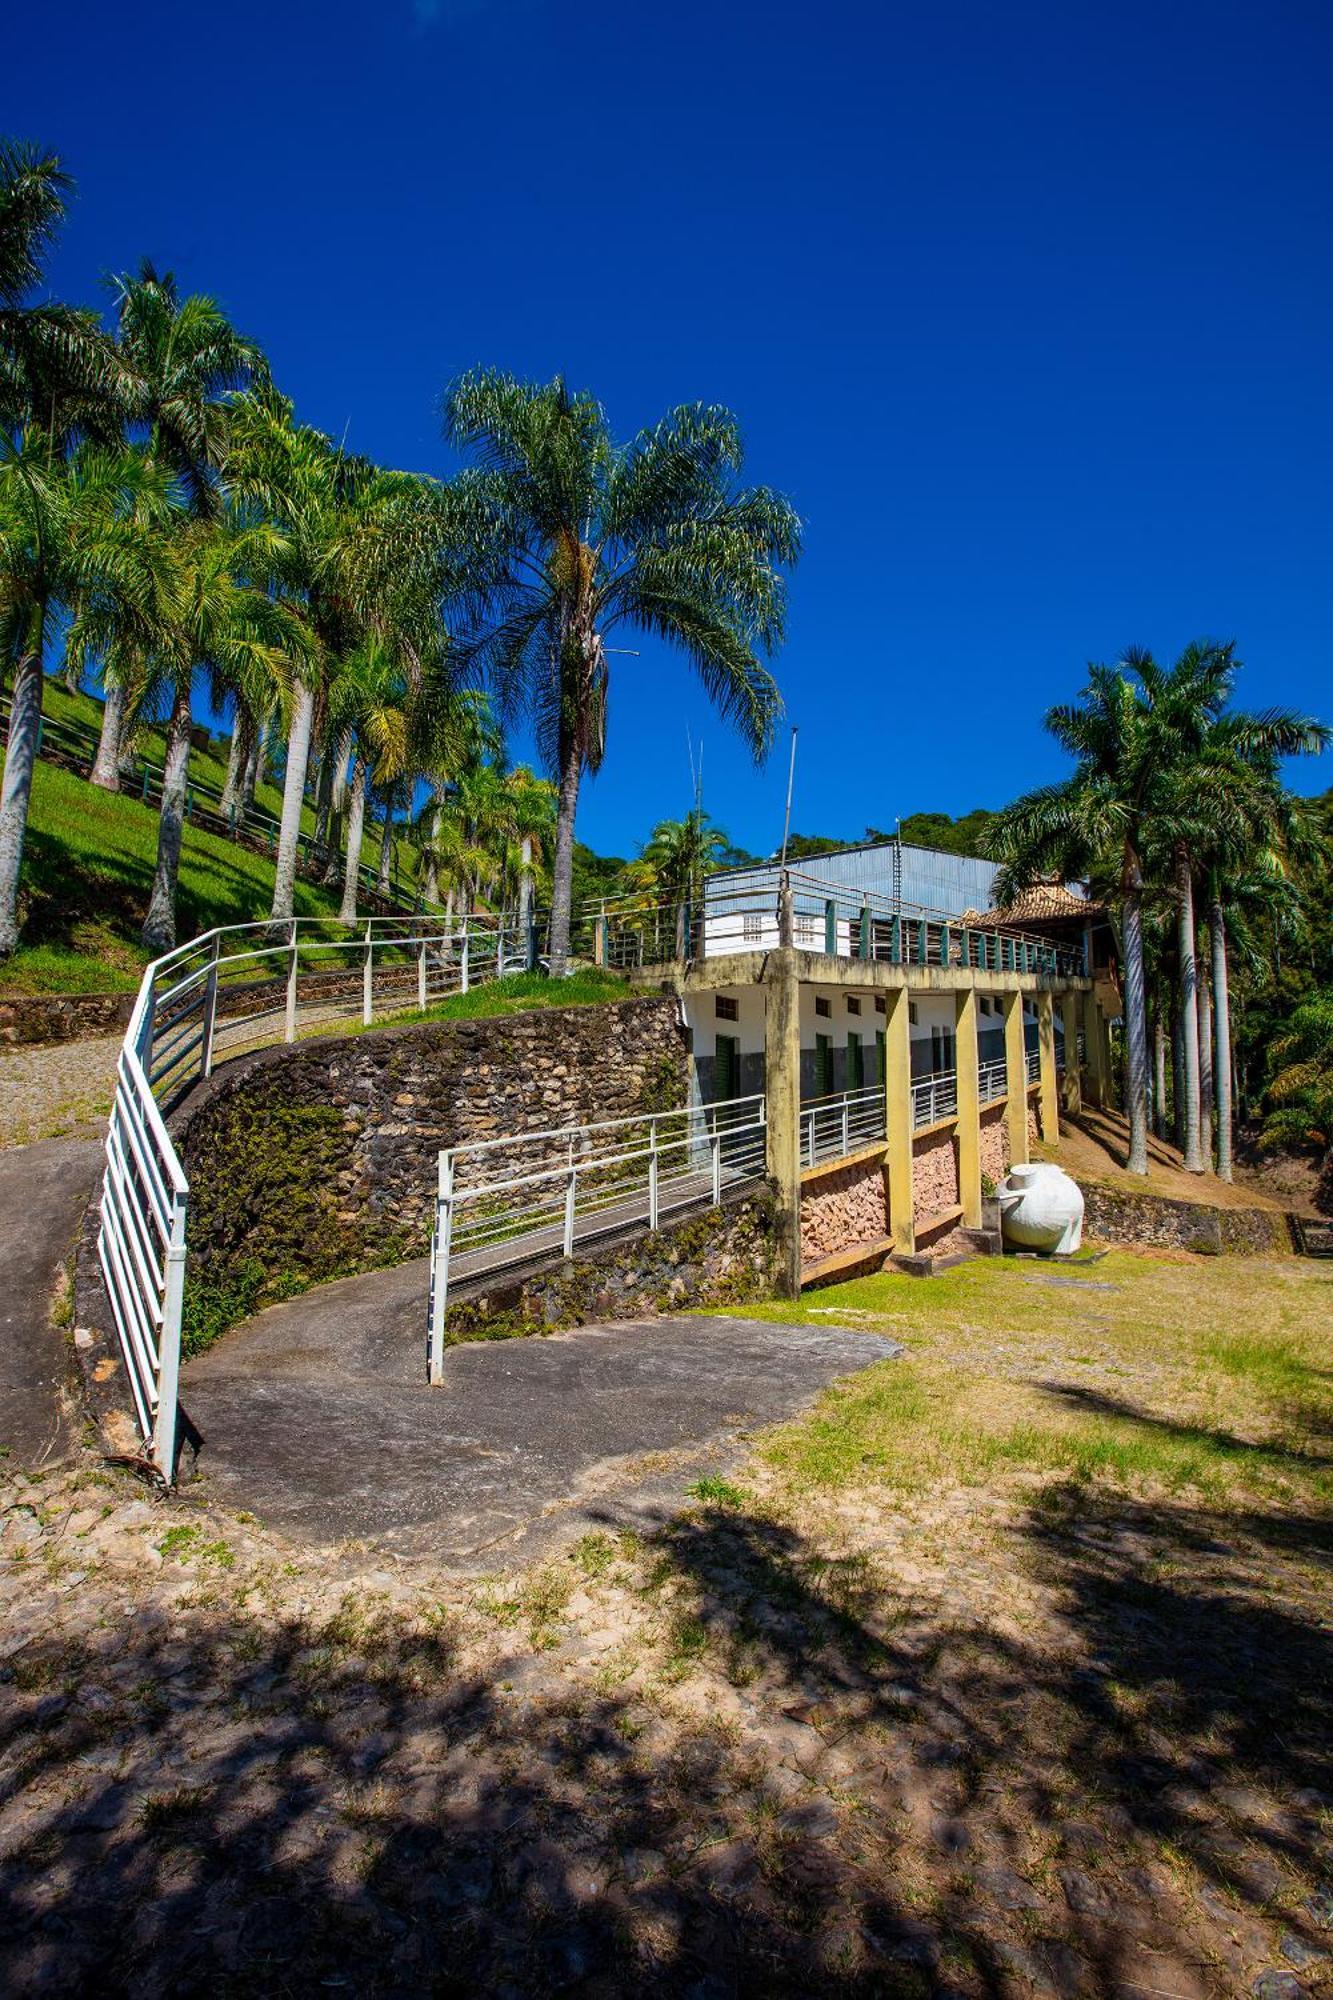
(317, 1417)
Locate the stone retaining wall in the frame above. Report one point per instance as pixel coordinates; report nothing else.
(710, 1257)
(316, 1160)
(1113, 1216)
(994, 1144)
(843, 1209)
(29, 1019)
(934, 1174)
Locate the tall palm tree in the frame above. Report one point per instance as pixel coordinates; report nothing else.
(1098, 822)
(362, 563)
(57, 368)
(185, 358)
(74, 535)
(225, 623)
(569, 536)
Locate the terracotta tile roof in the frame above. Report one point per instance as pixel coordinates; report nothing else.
(1043, 903)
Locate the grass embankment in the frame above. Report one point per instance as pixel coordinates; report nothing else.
(88, 864)
(516, 993)
(88, 868)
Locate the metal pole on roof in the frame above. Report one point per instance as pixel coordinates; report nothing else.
(791, 776)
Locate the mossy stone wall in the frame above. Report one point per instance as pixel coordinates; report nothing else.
(318, 1160)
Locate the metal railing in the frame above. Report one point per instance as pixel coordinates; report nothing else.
(934, 1098)
(220, 996)
(501, 1201)
(840, 923)
(1032, 1062)
(831, 1127)
(993, 1080)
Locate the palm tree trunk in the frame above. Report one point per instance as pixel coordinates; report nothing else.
(251, 772)
(159, 929)
(106, 764)
(235, 756)
(1206, 1071)
(323, 802)
(293, 796)
(356, 826)
(240, 763)
(382, 881)
(1189, 1008)
(562, 869)
(25, 722)
(1136, 1020)
(1217, 932)
(339, 795)
(1177, 1077)
(525, 898)
(1159, 1075)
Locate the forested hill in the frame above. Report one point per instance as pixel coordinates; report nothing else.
(922, 829)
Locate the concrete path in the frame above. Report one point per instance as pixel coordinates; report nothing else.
(317, 1417)
(43, 1193)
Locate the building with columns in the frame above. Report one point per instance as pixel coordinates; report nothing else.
(905, 1055)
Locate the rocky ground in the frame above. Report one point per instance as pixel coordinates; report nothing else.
(1004, 1713)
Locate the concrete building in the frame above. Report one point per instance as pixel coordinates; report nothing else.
(904, 1053)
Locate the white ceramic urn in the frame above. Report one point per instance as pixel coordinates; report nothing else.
(1041, 1208)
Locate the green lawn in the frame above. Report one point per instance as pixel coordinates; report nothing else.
(516, 993)
(87, 873)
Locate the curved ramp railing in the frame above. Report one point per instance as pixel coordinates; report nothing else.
(222, 995)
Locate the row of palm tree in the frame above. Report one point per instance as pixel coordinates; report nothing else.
(1175, 808)
(166, 520)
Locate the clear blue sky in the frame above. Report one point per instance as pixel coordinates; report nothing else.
(1029, 308)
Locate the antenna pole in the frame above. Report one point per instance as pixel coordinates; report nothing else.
(791, 777)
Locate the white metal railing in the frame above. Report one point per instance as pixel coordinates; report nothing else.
(992, 1080)
(220, 996)
(500, 1201)
(833, 919)
(1033, 1065)
(832, 1127)
(934, 1098)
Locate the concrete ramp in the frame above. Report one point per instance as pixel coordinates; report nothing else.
(317, 1417)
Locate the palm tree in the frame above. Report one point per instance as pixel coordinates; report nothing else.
(73, 535)
(1098, 822)
(57, 368)
(568, 536)
(362, 565)
(185, 357)
(222, 622)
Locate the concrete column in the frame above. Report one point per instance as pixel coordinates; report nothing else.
(782, 1089)
(1099, 1067)
(898, 1120)
(1069, 1013)
(969, 1107)
(1016, 1079)
(1048, 1100)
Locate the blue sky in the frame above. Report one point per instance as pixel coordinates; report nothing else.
(1030, 309)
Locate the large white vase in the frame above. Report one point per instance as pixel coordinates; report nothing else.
(1041, 1208)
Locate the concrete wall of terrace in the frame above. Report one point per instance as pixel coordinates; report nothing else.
(815, 968)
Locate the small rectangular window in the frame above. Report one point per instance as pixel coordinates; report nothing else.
(911, 1012)
(822, 1009)
(727, 1010)
(752, 926)
(853, 1006)
(881, 1005)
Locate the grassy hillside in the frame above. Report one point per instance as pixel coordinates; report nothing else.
(87, 874)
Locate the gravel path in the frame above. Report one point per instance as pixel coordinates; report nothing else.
(57, 1090)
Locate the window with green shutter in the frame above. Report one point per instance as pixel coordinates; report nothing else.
(823, 1065)
(855, 1067)
(726, 1071)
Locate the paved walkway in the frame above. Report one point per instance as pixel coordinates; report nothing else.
(317, 1417)
(56, 1088)
(43, 1192)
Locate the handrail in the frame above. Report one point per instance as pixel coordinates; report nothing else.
(672, 1157)
(193, 1011)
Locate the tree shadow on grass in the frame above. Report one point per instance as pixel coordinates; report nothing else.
(869, 1795)
(1308, 1416)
